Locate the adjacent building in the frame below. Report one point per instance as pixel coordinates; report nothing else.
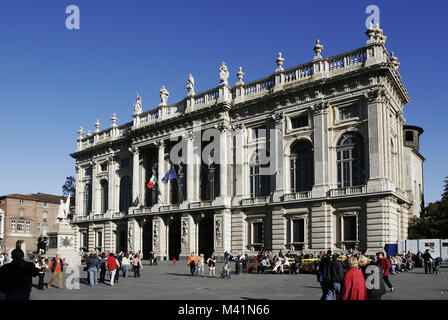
(309, 158)
(26, 219)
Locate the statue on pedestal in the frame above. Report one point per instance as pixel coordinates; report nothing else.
(63, 210)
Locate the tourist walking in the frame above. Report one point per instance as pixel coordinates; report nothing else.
(212, 265)
(374, 278)
(136, 263)
(93, 265)
(16, 278)
(427, 261)
(354, 287)
(42, 267)
(112, 265)
(125, 265)
(56, 267)
(333, 277)
(192, 262)
(140, 257)
(201, 264)
(385, 268)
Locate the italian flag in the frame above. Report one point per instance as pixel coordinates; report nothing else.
(152, 181)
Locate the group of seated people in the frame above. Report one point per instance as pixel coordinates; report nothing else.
(401, 263)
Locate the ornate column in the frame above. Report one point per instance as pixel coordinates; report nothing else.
(190, 168)
(159, 237)
(161, 171)
(240, 165)
(79, 192)
(376, 141)
(321, 150)
(222, 226)
(112, 186)
(96, 189)
(134, 235)
(277, 156)
(188, 235)
(135, 172)
(224, 198)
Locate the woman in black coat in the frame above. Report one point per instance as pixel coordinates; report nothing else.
(374, 278)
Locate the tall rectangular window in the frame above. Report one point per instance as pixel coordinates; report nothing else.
(257, 232)
(13, 226)
(298, 230)
(28, 226)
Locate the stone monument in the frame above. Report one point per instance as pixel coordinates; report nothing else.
(62, 237)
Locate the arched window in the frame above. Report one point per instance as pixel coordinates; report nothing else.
(350, 160)
(125, 193)
(87, 199)
(302, 167)
(104, 195)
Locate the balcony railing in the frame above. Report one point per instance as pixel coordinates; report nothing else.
(297, 196)
(200, 204)
(256, 200)
(348, 191)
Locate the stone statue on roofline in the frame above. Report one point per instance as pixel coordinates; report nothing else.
(190, 85)
(138, 105)
(164, 94)
(223, 73)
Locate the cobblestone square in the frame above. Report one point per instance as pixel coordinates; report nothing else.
(174, 282)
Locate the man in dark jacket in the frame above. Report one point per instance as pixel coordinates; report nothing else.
(427, 260)
(16, 278)
(333, 276)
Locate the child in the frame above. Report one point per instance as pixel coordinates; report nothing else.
(226, 270)
(41, 265)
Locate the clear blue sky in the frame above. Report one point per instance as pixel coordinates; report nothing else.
(53, 80)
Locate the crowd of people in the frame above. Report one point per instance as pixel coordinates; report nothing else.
(351, 276)
(114, 263)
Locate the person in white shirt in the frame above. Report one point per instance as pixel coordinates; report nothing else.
(125, 263)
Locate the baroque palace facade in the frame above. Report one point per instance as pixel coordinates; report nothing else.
(340, 172)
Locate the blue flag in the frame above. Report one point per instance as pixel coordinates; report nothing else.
(169, 175)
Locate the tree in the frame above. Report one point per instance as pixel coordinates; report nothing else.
(69, 190)
(433, 222)
(69, 187)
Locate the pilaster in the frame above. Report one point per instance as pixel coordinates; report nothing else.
(279, 233)
(322, 227)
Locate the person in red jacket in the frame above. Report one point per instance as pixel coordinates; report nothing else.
(112, 265)
(385, 266)
(354, 283)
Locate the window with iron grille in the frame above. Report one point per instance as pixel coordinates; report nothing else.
(257, 232)
(350, 228)
(298, 230)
